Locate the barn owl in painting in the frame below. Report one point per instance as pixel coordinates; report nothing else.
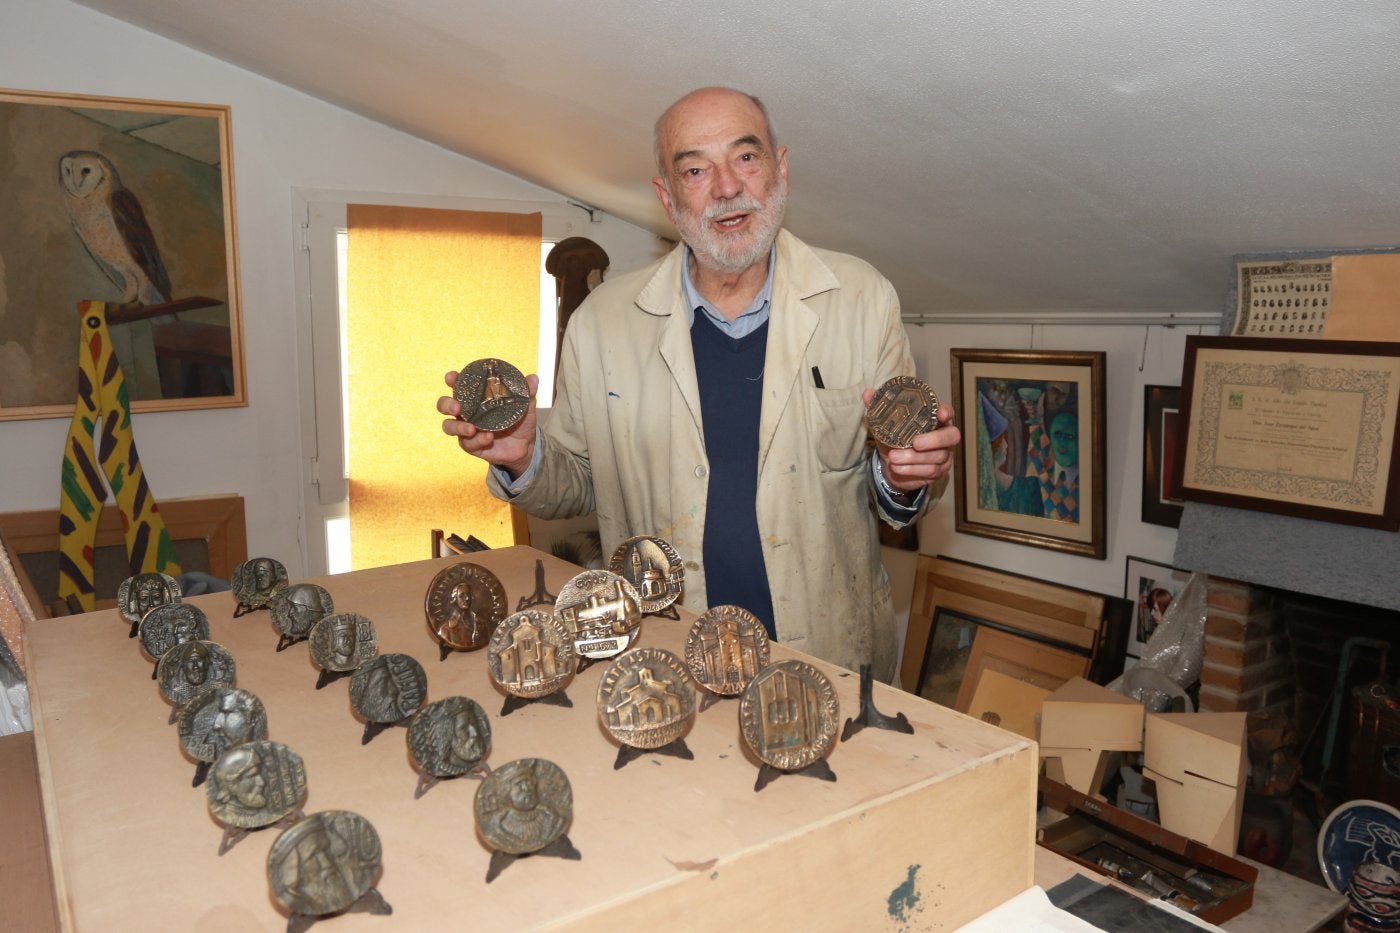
(109, 220)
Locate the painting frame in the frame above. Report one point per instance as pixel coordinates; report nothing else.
(1304, 428)
(1162, 430)
(1142, 578)
(129, 202)
(1001, 399)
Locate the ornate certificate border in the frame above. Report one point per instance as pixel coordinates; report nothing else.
(1299, 427)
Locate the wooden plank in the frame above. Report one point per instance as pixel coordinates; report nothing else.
(26, 887)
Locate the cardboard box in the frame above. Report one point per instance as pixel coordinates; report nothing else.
(1080, 723)
(1199, 763)
(1008, 702)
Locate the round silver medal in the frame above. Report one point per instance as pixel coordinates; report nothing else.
(138, 595)
(449, 737)
(788, 715)
(901, 408)
(523, 806)
(653, 568)
(725, 649)
(646, 698)
(324, 863)
(531, 654)
(493, 393)
(172, 624)
(255, 784)
(600, 609)
(343, 641)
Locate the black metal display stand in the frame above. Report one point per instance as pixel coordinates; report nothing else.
(676, 749)
(233, 836)
(557, 698)
(869, 715)
(559, 848)
(371, 902)
(374, 728)
(818, 769)
(330, 677)
(541, 596)
(427, 782)
(286, 641)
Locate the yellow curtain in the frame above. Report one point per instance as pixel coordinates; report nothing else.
(428, 291)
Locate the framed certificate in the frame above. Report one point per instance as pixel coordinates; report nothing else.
(1300, 427)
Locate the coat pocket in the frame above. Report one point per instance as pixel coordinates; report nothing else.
(838, 426)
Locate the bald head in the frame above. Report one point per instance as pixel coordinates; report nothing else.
(696, 105)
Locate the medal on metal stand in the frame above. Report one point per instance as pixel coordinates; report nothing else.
(448, 739)
(869, 715)
(255, 582)
(541, 596)
(326, 864)
(386, 691)
(524, 808)
(465, 603)
(340, 643)
(600, 610)
(724, 650)
(646, 701)
(788, 716)
(531, 657)
(655, 571)
(168, 625)
(296, 609)
(190, 667)
(138, 595)
(217, 719)
(255, 786)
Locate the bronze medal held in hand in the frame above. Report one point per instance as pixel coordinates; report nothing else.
(493, 393)
(653, 568)
(788, 715)
(600, 609)
(523, 806)
(255, 784)
(464, 605)
(324, 863)
(531, 654)
(901, 408)
(725, 649)
(646, 698)
(343, 641)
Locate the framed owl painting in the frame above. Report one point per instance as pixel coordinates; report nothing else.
(117, 248)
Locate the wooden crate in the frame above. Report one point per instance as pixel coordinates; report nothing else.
(921, 832)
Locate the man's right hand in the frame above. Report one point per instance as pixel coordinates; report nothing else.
(511, 449)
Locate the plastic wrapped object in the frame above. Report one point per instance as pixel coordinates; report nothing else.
(1171, 661)
(14, 695)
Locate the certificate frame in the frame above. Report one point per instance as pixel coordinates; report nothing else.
(1307, 428)
(1000, 397)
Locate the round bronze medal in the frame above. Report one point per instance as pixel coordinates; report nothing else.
(388, 688)
(646, 698)
(255, 784)
(449, 737)
(171, 624)
(493, 393)
(188, 668)
(218, 719)
(531, 654)
(600, 609)
(256, 581)
(296, 608)
(788, 715)
(523, 806)
(343, 641)
(465, 603)
(140, 594)
(725, 649)
(901, 408)
(324, 863)
(653, 568)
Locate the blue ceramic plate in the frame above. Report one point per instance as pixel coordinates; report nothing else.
(1356, 832)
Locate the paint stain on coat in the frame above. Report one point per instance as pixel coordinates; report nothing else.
(904, 898)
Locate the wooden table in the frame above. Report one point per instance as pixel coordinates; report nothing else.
(919, 832)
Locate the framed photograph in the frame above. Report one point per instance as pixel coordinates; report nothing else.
(1031, 465)
(128, 202)
(1152, 587)
(1161, 448)
(1301, 427)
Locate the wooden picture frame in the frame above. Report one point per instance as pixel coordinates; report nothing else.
(1152, 587)
(129, 202)
(1009, 484)
(1162, 437)
(1307, 428)
(952, 596)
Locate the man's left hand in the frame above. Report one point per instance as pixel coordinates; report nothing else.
(929, 460)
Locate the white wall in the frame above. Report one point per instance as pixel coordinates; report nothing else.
(282, 139)
(1130, 365)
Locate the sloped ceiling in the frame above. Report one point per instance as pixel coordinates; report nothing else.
(1012, 156)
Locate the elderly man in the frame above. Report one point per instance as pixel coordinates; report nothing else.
(715, 399)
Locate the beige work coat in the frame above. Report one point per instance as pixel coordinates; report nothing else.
(625, 439)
